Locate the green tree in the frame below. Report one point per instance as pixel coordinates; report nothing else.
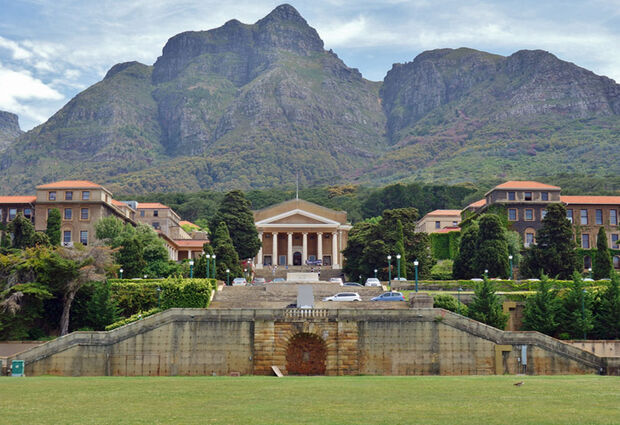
(541, 309)
(465, 266)
(235, 211)
(554, 254)
(486, 306)
(492, 253)
(607, 316)
(131, 258)
(23, 232)
(400, 248)
(602, 265)
(575, 317)
(53, 226)
(201, 263)
(448, 302)
(226, 254)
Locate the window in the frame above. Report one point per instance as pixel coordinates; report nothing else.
(155, 213)
(51, 196)
(84, 214)
(1, 212)
(68, 196)
(142, 213)
(28, 212)
(584, 216)
(512, 196)
(156, 225)
(84, 237)
(512, 214)
(12, 213)
(68, 213)
(529, 239)
(527, 196)
(529, 214)
(587, 262)
(569, 216)
(616, 262)
(455, 223)
(66, 236)
(614, 240)
(86, 195)
(438, 225)
(599, 216)
(544, 196)
(585, 241)
(613, 217)
(543, 214)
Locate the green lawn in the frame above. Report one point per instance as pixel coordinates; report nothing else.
(311, 400)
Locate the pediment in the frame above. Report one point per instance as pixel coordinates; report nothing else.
(297, 216)
(298, 219)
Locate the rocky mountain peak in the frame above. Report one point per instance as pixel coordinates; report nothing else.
(119, 67)
(9, 129)
(285, 12)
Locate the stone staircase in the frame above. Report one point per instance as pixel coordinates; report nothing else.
(281, 272)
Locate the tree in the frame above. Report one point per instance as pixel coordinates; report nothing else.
(130, 257)
(486, 306)
(554, 254)
(400, 248)
(23, 232)
(225, 253)
(465, 262)
(492, 253)
(541, 309)
(53, 226)
(602, 265)
(607, 317)
(236, 213)
(575, 314)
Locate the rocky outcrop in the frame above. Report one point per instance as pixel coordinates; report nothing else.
(9, 129)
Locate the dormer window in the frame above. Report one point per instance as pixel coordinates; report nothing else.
(527, 196)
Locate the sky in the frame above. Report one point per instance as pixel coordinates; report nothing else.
(50, 50)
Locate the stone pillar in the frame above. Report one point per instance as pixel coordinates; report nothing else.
(304, 250)
(335, 253)
(274, 249)
(319, 246)
(259, 258)
(289, 251)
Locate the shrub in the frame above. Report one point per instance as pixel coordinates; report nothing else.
(442, 270)
(133, 318)
(449, 302)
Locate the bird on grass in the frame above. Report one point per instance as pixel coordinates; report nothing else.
(518, 384)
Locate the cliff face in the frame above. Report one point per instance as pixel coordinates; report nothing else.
(9, 129)
(249, 106)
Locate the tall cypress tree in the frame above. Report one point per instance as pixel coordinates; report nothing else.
(464, 264)
(201, 263)
(575, 314)
(236, 213)
(486, 307)
(23, 232)
(400, 248)
(601, 266)
(541, 309)
(607, 317)
(492, 253)
(53, 226)
(225, 253)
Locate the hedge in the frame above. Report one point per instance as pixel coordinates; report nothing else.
(445, 246)
(136, 296)
(501, 285)
(132, 318)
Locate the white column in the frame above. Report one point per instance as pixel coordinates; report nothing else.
(304, 251)
(289, 251)
(335, 253)
(259, 258)
(319, 246)
(274, 248)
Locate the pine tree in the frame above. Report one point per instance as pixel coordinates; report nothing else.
(200, 271)
(541, 309)
(226, 255)
(492, 253)
(601, 266)
(607, 317)
(486, 307)
(464, 264)
(53, 226)
(400, 248)
(23, 232)
(236, 213)
(575, 314)
(131, 257)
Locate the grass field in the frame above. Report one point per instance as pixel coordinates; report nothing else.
(311, 400)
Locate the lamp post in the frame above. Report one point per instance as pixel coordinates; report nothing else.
(360, 279)
(389, 258)
(458, 297)
(145, 276)
(208, 275)
(486, 273)
(583, 312)
(158, 297)
(213, 256)
(227, 277)
(121, 272)
(191, 269)
(376, 273)
(415, 264)
(511, 274)
(398, 265)
(245, 274)
(590, 271)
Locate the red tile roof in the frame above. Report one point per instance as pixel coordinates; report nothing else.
(525, 185)
(188, 223)
(603, 200)
(443, 213)
(151, 205)
(71, 184)
(478, 204)
(449, 229)
(119, 203)
(17, 199)
(190, 243)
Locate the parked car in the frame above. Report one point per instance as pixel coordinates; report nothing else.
(401, 279)
(344, 296)
(353, 284)
(278, 280)
(373, 281)
(336, 280)
(389, 296)
(239, 281)
(259, 281)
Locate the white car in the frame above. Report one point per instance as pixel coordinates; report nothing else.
(336, 280)
(373, 281)
(344, 296)
(401, 279)
(239, 281)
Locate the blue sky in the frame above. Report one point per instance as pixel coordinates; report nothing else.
(50, 50)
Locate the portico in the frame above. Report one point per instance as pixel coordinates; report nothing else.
(297, 232)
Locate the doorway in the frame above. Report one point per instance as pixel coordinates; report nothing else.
(297, 259)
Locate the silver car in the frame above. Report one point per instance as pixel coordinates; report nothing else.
(373, 281)
(344, 296)
(239, 281)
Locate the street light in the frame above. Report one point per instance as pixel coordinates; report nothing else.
(121, 272)
(145, 276)
(389, 258)
(511, 274)
(486, 273)
(415, 264)
(245, 274)
(213, 256)
(376, 273)
(191, 269)
(458, 297)
(583, 312)
(398, 266)
(158, 297)
(227, 277)
(590, 271)
(208, 275)
(360, 279)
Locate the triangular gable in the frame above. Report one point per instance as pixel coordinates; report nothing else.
(297, 216)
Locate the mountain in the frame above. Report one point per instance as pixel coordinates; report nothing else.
(250, 106)
(9, 129)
